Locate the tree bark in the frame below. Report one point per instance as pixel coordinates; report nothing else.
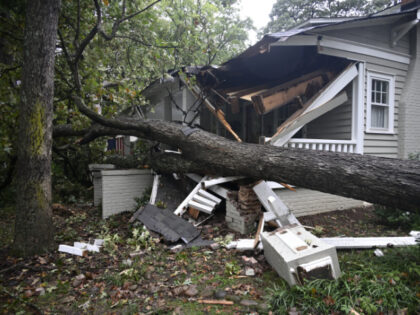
(390, 182)
(34, 227)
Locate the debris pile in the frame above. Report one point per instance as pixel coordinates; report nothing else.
(295, 253)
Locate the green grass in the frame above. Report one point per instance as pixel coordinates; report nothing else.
(368, 284)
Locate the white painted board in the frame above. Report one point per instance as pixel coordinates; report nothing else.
(369, 242)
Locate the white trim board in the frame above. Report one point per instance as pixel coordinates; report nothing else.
(362, 49)
(346, 45)
(369, 242)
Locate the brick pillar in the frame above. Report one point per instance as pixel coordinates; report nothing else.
(242, 210)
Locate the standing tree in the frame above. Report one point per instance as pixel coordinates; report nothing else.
(34, 227)
(287, 13)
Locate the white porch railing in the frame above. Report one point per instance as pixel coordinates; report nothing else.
(347, 146)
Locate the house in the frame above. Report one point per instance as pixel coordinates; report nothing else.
(348, 85)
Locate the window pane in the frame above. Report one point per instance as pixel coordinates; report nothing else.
(378, 97)
(379, 117)
(374, 87)
(384, 98)
(385, 85)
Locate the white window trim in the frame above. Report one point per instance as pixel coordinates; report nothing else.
(384, 77)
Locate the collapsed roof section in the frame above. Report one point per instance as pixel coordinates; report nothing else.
(293, 76)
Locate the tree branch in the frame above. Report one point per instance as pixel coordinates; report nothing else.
(91, 34)
(123, 19)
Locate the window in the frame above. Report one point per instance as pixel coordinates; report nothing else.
(380, 103)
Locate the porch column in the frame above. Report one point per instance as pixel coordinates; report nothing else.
(357, 132)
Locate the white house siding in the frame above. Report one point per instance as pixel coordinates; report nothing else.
(335, 124)
(308, 202)
(120, 187)
(385, 145)
(409, 114)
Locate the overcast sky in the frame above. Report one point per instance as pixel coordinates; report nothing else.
(258, 11)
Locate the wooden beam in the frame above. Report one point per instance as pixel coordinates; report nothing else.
(279, 96)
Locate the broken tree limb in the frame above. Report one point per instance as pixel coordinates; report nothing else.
(390, 182)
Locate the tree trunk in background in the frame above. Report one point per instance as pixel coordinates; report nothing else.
(34, 231)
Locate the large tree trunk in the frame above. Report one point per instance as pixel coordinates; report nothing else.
(390, 182)
(34, 227)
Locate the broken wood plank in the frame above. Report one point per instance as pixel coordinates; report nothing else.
(221, 116)
(220, 180)
(259, 229)
(72, 250)
(275, 185)
(154, 189)
(222, 192)
(221, 302)
(207, 195)
(194, 213)
(369, 242)
(183, 206)
(200, 207)
(204, 201)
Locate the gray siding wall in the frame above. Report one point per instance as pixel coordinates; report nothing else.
(409, 115)
(308, 202)
(335, 124)
(378, 36)
(120, 187)
(385, 145)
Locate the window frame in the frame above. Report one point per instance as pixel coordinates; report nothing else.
(391, 102)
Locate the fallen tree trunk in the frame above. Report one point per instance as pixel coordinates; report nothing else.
(390, 182)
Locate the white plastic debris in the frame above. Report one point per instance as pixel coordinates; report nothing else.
(98, 242)
(177, 248)
(378, 252)
(71, 250)
(89, 247)
(231, 245)
(245, 244)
